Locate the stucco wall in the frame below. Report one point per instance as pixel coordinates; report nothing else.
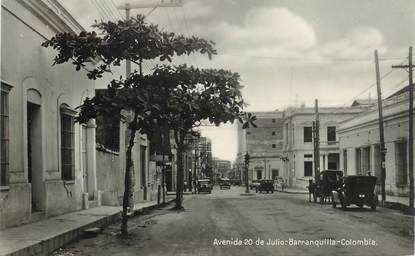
(27, 67)
(363, 131)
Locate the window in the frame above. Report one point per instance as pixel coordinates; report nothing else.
(365, 160)
(273, 145)
(308, 134)
(259, 175)
(273, 133)
(273, 120)
(331, 133)
(308, 168)
(358, 161)
(275, 173)
(401, 163)
(308, 156)
(345, 161)
(67, 144)
(4, 129)
(248, 133)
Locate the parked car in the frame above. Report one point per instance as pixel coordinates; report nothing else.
(254, 184)
(358, 190)
(279, 183)
(326, 182)
(225, 183)
(204, 185)
(265, 185)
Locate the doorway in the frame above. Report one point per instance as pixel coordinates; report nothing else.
(34, 154)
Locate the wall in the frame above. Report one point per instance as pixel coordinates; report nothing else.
(27, 67)
(363, 131)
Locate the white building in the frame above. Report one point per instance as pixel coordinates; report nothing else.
(359, 143)
(298, 141)
(47, 161)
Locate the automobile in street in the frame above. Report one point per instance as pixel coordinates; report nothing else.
(254, 184)
(204, 185)
(327, 181)
(356, 189)
(265, 185)
(225, 183)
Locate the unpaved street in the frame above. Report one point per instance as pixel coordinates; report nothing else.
(225, 215)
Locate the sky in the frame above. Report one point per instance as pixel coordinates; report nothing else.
(288, 52)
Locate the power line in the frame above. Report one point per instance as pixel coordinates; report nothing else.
(374, 84)
(311, 59)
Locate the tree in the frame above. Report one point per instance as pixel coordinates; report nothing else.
(192, 95)
(145, 101)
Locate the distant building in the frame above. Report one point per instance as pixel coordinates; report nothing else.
(360, 149)
(298, 141)
(221, 168)
(264, 144)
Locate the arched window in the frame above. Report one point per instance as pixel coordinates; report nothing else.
(67, 142)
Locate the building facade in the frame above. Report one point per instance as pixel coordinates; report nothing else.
(48, 162)
(221, 168)
(360, 148)
(264, 145)
(298, 141)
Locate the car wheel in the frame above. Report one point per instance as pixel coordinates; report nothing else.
(272, 191)
(373, 207)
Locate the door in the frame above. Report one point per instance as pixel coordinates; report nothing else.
(34, 156)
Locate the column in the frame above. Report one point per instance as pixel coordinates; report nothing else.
(91, 158)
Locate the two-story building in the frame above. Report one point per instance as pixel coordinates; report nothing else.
(298, 141)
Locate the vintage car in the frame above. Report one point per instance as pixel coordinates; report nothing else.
(326, 182)
(225, 183)
(265, 185)
(204, 185)
(254, 184)
(356, 189)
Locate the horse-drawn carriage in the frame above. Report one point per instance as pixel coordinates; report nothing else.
(327, 181)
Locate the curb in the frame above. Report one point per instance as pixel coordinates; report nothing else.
(47, 246)
(50, 244)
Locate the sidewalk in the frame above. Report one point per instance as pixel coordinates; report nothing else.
(43, 237)
(395, 202)
(293, 191)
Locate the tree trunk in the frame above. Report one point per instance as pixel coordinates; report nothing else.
(128, 182)
(179, 137)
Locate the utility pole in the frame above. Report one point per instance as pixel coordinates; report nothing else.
(246, 172)
(381, 131)
(411, 129)
(317, 141)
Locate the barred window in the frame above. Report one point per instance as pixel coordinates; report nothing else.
(401, 162)
(4, 128)
(67, 144)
